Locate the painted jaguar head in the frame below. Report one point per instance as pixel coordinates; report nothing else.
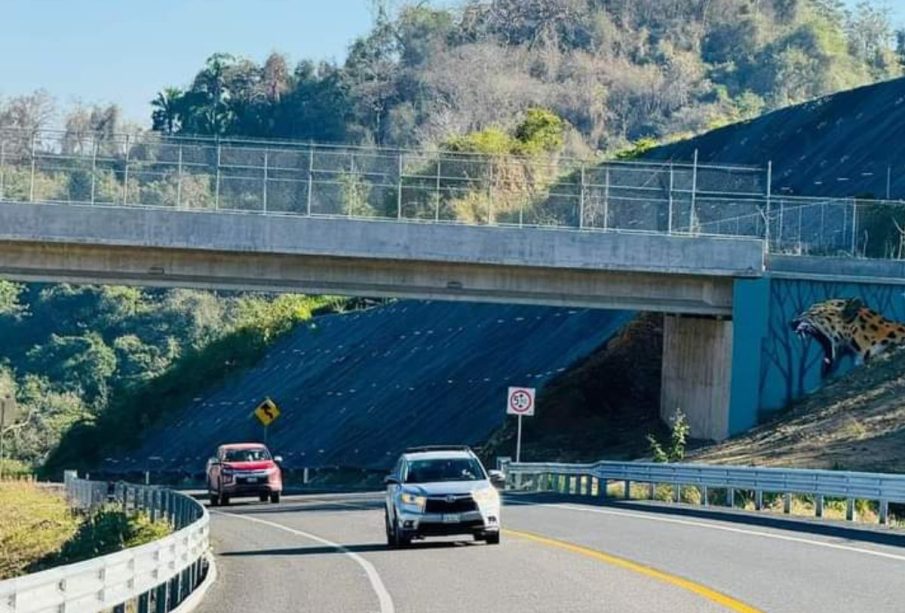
(847, 325)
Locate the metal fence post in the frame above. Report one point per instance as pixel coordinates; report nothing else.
(818, 506)
(266, 164)
(94, 169)
(606, 197)
(581, 201)
(126, 173)
(490, 194)
(2, 160)
(850, 509)
(694, 193)
(399, 187)
(627, 490)
(884, 512)
(217, 180)
(769, 204)
(437, 195)
(31, 188)
(310, 178)
(179, 180)
(854, 227)
(672, 183)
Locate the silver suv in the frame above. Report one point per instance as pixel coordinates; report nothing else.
(441, 491)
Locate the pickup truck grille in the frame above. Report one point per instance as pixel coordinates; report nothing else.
(461, 504)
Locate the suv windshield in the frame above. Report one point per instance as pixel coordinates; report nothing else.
(444, 469)
(246, 455)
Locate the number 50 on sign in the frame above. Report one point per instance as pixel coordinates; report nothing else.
(520, 401)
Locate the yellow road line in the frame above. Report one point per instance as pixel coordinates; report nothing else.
(701, 590)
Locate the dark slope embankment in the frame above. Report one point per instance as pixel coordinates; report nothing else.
(356, 389)
(838, 145)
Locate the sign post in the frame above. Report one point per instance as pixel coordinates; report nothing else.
(520, 402)
(267, 412)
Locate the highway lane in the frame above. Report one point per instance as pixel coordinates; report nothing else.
(327, 553)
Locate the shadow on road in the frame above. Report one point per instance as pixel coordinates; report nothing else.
(359, 548)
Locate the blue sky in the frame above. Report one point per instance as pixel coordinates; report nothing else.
(125, 51)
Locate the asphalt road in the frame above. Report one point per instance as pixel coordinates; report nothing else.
(327, 553)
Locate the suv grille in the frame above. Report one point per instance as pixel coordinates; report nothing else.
(462, 504)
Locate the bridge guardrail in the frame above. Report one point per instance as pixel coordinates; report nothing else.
(157, 576)
(584, 479)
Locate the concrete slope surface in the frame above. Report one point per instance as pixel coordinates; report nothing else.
(329, 554)
(846, 144)
(356, 389)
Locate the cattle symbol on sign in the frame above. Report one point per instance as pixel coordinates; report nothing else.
(521, 401)
(267, 412)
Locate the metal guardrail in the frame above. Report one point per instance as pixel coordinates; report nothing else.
(155, 577)
(585, 479)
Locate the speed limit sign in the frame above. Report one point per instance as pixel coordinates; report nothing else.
(520, 401)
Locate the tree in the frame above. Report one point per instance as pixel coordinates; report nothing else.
(168, 109)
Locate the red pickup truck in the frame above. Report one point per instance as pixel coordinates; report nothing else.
(244, 469)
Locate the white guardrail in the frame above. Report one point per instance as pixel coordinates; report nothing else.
(156, 577)
(591, 479)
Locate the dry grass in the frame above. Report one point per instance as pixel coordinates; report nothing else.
(36, 522)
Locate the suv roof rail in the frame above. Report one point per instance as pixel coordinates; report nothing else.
(422, 448)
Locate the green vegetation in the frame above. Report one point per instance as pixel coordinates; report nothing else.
(675, 451)
(104, 531)
(36, 524)
(615, 71)
(101, 364)
(39, 530)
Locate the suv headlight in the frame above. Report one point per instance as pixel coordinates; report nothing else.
(486, 496)
(412, 500)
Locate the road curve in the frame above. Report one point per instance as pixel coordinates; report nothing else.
(327, 553)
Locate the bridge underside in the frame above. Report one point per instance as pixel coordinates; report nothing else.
(77, 263)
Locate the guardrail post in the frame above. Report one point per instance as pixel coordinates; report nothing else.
(730, 495)
(758, 500)
(266, 172)
(884, 512)
(627, 490)
(126, 173)
(677, 492)
(399, 188)
(850, 509)
(31, 188)
(818, 505)
(651, 490)
(217, 177)
(704, 496)
(581, 201)
(179, 179)
(787, 503)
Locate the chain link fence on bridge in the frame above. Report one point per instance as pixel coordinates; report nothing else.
(281, 177)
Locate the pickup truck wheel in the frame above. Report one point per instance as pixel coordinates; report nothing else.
(493, 538)
(275, 497)
(400, 541)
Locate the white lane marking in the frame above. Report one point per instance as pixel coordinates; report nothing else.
(697, 524)
(383, 596)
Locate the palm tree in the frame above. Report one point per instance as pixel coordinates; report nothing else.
(167, 109)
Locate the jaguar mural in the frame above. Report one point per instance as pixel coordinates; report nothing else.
(843, 326)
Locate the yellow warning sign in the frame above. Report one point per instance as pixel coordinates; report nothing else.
(267, 412)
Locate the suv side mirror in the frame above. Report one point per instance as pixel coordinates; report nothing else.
(278, 459)
(497, 477)
(391, 480)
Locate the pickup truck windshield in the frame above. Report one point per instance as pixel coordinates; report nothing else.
(246, 455)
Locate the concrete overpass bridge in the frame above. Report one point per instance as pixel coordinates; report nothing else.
(685, 240)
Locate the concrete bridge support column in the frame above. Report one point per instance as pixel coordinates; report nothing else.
(697, 373)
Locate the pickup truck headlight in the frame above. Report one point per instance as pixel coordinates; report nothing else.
(486, 496)
(412, 500)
